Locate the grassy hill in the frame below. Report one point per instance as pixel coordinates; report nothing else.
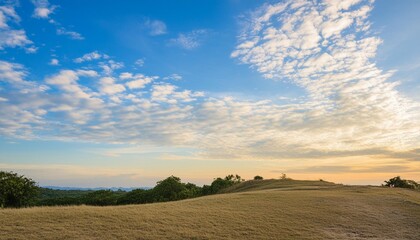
(269, 209)
(283, 184)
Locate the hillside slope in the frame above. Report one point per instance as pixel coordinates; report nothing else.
(334, 212)
(283, 184)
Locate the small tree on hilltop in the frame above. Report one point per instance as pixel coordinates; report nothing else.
(402, 183)
(16, 191)
(258, 177)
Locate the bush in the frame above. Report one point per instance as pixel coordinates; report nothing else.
(258, 178)
(402, 183)
(16, 191)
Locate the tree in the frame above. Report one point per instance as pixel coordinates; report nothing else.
(402, 183)
(168, 189)
(16, 190)
(258, 178)
(221, 183)
(101, 198)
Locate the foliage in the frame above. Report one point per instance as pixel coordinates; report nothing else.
(102, 198)
(169, 189)
(54, 197)
(221, 183)
(402, 183)
(16, 191)
(258, 177)
(137, 196)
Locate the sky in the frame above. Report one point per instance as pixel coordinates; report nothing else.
(107, 93)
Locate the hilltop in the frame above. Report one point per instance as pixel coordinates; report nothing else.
(287, 183)
(264, 209)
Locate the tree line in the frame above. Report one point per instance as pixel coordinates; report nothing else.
(20, 191)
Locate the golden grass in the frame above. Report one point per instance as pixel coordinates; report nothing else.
(335, 212)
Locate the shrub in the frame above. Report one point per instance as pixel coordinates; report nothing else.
(258, 178)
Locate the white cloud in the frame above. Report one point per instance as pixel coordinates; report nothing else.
(7, 13)
(126, 75)
(66, 80)
(42, 8)
(11, 72)
(189, 40)
(155, 27)
(108, 86)
(31, 49)
(110, 66)
(318, 46)
(10, 37)
(168, 93)
(161, 92)
(95, 55)
(139, 62)
(137, 81)
(72, 34)
(13, 38)
(173, 76)
(54, 62)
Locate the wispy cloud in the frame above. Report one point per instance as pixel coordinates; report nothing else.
(155, 27)
(31, 49)
(189, 40)
(139, 62)
(95, 55)
(43, 10)
(318, 46)
(173, 76)
(9, 36)
(72, 34)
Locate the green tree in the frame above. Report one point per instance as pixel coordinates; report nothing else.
(101, 198)
(168, 189)
(16, 190)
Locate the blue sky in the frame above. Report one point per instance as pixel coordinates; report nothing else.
(104, 93)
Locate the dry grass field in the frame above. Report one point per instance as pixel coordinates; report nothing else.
(270, 209)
